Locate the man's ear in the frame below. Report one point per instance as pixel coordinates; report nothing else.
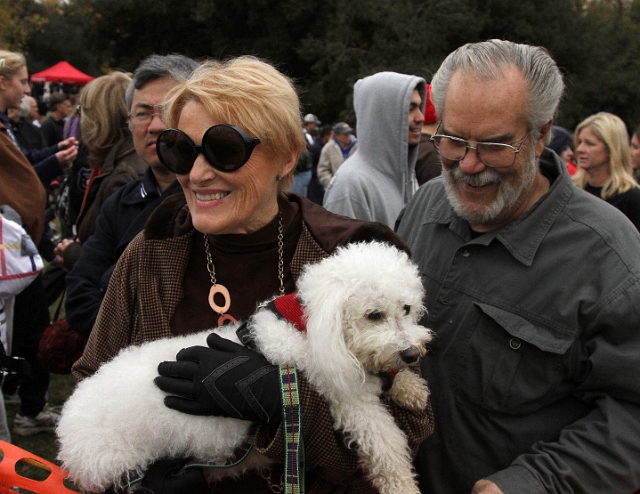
(544, 136)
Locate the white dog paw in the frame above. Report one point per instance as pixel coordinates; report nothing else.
(409, 390)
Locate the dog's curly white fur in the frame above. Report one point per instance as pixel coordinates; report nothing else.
(362, 305)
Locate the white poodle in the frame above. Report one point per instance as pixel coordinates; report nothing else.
(361, 307)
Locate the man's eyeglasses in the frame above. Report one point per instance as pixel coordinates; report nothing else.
(144, 117)
(492, 154)
(225, 147)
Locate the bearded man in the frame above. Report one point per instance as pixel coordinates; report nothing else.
(532, 287)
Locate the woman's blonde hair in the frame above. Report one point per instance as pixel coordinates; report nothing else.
(104, 114)
(10, 63)
(611, 130)
(252, 95)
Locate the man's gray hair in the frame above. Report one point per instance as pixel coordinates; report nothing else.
(25, 107)
(177, 67)
(488, 60)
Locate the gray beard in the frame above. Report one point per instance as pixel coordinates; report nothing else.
(508, 192)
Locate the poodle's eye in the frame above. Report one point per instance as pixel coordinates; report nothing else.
(407, 310)
(375, 315)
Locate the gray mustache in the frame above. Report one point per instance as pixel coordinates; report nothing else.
(485, 177)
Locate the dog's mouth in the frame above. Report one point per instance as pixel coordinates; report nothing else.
(386, 380)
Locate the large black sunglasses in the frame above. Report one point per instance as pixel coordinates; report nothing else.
(225, 147)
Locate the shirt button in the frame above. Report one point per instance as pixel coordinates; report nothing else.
(464, 253)
(515, 343)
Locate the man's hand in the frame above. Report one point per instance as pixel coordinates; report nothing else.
(486, 487)
(225, 379)
(66, 156)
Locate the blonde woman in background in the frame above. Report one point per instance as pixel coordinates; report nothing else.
(604, 163)
(112, 157)
(114, 161)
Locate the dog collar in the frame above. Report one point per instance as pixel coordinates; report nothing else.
(387, 380)
(286, 307)
(289, 308)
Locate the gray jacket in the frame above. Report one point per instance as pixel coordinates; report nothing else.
(331, 158)
(535, 367)
(377, 181)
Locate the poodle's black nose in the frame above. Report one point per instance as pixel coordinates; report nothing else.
(410, 355)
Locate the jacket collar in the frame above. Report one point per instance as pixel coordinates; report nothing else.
(147, 189)
(523, 237)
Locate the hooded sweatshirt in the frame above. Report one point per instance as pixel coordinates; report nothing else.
(376, 182)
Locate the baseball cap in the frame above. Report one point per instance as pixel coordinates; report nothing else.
(342, 128)
(310, 117)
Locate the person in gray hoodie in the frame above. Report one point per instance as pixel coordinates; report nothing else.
(375, 183)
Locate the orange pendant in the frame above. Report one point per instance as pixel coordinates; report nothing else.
(226, 318)
(222, 290)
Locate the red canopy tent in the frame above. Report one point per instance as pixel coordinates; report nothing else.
(62, 72)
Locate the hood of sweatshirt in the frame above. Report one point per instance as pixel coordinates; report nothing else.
(381, 103)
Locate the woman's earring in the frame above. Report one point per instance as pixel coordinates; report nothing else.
(278, 178)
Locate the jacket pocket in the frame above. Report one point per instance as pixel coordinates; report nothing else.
(509, 364)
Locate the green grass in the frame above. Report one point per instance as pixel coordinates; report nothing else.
(44, 444)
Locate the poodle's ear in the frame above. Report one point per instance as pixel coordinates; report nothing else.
(379, 232)
(323, 300)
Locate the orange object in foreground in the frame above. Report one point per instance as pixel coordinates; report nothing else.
(11, 456)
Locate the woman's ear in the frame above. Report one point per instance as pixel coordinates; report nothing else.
(290, 164)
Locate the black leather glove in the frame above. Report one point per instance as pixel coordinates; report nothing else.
(225, 379)
(168, 477)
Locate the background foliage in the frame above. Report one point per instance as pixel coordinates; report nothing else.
(327, 46)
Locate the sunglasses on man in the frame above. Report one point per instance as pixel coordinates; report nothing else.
(225, 147)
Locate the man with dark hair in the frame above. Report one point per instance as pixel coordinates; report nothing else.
(532, 287)
(375, 183)
(124, 214)
(52, 128)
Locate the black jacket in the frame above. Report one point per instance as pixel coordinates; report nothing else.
(121, 218)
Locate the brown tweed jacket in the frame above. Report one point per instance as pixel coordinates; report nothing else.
(143, 294)
(20, 187)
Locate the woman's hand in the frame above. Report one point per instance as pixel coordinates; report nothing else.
(225, 379)
(59, 251)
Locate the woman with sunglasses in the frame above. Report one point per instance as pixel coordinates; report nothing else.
(235, 239)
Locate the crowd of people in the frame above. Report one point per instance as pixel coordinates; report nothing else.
(190, 191)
